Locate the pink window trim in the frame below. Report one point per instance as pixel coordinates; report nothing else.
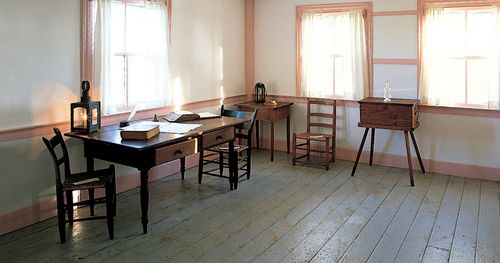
(367, 7)
(421, 5)
(87, 45)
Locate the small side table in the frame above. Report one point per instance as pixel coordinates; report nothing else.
(270, 112)
(398, 114)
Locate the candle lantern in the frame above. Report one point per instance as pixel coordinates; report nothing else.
(259, 93)
(86, 114)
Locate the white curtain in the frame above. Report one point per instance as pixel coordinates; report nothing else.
(333, 55)
(444, 80)
(145, 44)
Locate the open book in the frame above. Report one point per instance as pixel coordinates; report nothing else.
(180, 116)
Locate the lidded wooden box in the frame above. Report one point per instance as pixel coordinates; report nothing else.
(398, 114)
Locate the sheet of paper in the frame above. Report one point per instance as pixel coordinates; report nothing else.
(172, 127)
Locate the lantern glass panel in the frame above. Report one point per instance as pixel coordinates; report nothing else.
(80, 118)
(94, 116)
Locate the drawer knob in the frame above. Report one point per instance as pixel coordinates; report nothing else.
(178, 152)
(218, 137)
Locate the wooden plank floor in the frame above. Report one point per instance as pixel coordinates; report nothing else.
(286, 214)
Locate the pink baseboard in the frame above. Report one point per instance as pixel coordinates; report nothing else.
(47, 208)
(392, 160)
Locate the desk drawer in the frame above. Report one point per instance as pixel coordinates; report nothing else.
(396, 115)
(175, 151)
(218, 137)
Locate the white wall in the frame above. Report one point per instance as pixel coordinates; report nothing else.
(40, 77)
(208, 49)
(455, 139)
(40, 58)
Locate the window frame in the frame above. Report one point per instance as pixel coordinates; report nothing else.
(87, 71)
(465, 4)
(366, 7)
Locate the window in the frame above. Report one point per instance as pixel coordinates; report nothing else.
(333, 50)
(130, 58)
(460, 55)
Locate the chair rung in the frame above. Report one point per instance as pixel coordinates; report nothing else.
(300, 157)
(323, 115)
(311, 163)
(324, 125)
(322, 101)
(216, 175)
(314, 150)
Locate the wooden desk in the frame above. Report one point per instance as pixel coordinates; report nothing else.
(398, 114)
(106, 144)
(270, 112)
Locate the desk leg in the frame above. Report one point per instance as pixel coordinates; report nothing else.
(288, 135)
(183, 166)
(359, 151)
(144, 199)
(408, 155)
(257, 131)
(417, 151)
(371, 146)
(272, 141)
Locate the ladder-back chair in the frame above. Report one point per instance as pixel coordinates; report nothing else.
(321, 128)
(69, 182)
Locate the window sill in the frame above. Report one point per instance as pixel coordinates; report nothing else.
(461, 111)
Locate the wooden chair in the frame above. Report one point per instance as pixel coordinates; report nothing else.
(239, 162)
(319, 121)
(104, 178)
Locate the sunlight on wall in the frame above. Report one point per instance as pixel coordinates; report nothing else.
(221, 62)
(177, 93)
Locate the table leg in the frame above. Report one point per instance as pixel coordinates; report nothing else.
(144, 199)
(417, 151)
(272, 141)
(408, 155)
(359, 151)
(371, 146)
(200, 159)
(257, 136)
(183, 166)
(288, 135)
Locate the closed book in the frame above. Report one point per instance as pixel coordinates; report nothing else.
(140, 132)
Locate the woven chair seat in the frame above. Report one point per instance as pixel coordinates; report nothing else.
(224, 148)
(314, 136)
(69, 183)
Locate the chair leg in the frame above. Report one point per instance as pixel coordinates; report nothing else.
(308, 149)
(61, 217)
(69, 206)
(294, 149)
(109, 210)
(114, 195)
(249, 162)
(235, 170)
(91, 201)
(327, 154)
(333, 150)
(221, 164)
